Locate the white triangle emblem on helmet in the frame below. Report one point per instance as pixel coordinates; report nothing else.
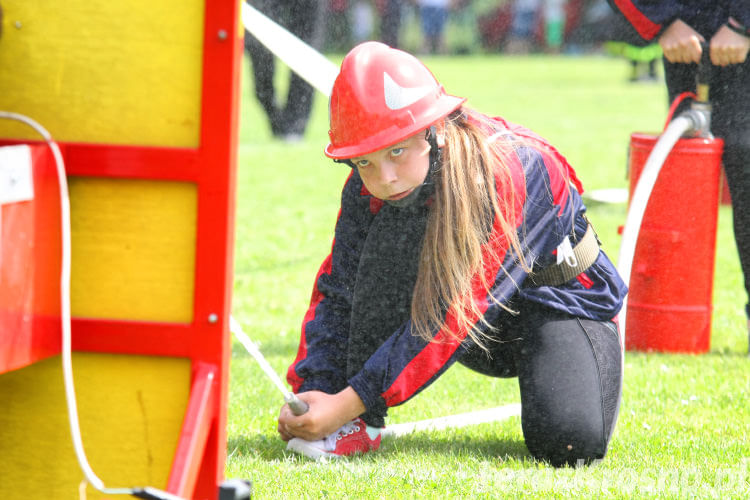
(398, 97)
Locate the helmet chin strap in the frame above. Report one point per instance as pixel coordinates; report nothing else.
(436, 151)
(346, 162)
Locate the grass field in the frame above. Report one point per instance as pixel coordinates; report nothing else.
(684, 420)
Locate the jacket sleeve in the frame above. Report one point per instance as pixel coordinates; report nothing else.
(740, 10)
(648, 17)
(321, 356)
(406, 364)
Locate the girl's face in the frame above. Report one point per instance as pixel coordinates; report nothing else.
(392, 173)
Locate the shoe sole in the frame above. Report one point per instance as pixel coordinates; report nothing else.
(303, 448)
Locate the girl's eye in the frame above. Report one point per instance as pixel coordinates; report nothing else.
(397, 151)
(361, 163)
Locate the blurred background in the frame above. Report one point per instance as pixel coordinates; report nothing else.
(456, 27)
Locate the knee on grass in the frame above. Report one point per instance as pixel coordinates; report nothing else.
(567, 447)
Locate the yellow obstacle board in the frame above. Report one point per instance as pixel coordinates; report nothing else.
(131, 410)
(133, 247)
(109, 73)
(103, 71)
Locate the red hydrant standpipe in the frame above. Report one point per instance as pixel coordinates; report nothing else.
(669, 305)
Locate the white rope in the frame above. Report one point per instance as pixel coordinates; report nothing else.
(67, 365)
(454, 421)
(304, 60)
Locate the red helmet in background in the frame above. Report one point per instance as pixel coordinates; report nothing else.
(380, 97)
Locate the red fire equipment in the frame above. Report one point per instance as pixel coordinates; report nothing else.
(671, 282)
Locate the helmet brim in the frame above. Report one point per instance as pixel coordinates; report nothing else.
(446, 105)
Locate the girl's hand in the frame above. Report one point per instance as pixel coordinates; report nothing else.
(728, 47)
(327, 413)
(681, 44)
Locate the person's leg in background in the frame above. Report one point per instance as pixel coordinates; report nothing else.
(570, 377)
(263, 69)
(263, 65)
(305, 20)
(433, 21)
(390, 23)
(520, 40)
(554, 24)
(731, 121)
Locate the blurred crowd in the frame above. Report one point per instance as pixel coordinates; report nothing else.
(468, 26)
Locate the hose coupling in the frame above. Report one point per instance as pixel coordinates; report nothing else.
(700, 115)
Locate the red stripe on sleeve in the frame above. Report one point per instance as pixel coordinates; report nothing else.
(425, 364)
(643, 25)
(291, 376)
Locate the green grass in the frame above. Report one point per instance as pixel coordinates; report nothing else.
(682, 430)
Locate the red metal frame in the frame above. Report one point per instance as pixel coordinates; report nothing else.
(194, 436)
(198, 466)
(40, 298)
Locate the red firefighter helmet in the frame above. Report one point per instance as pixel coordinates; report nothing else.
(380, 97)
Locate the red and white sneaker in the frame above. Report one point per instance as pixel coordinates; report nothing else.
(353, 437)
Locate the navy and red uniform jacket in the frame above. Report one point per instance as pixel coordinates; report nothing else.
(651, 17)
(405, 363)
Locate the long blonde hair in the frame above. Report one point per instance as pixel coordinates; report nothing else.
(456, 244)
